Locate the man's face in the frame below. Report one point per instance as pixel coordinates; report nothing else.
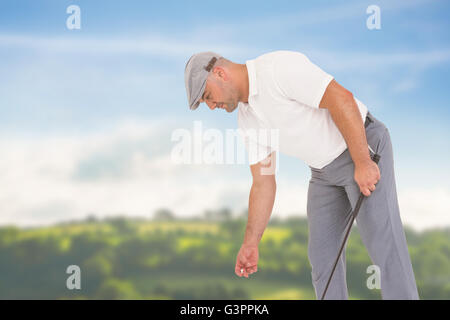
(220, 94)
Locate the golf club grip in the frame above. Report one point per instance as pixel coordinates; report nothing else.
(376, 158)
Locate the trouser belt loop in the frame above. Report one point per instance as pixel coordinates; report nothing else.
(368, 119)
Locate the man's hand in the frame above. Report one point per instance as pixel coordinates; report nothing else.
(247, 260)
(367, 175)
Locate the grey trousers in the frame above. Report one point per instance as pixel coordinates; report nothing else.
(332, 196)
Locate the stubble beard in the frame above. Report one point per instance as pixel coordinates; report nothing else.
(233, 102)
(231, 106)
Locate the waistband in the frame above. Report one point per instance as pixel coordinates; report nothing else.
(369, 119)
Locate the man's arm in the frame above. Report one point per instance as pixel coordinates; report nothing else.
(262, 198)
(345, 113)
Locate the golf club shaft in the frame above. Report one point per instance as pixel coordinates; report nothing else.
(375, 158)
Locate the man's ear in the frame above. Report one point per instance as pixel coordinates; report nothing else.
(220, 73)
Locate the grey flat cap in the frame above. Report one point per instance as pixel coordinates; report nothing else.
(195, 74)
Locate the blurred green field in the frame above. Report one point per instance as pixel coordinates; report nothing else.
(255, 287)
(122, 258)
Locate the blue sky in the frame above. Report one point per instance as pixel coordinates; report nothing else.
(119, 79)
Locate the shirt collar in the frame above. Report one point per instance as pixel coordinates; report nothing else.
(252, 84)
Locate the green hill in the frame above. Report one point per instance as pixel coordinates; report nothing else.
(190, 259)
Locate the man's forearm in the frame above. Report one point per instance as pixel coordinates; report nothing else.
(262, 197)
(347, 118)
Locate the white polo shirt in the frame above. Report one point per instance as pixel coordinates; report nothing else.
(285, 90)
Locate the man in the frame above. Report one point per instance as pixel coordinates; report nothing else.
(322, 123)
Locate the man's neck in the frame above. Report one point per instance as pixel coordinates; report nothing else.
(243, 83)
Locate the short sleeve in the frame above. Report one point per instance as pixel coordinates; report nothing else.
(299, 79)
(256, 152)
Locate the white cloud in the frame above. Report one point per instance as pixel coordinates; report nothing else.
(324, 15)
(405, 85)
(166, 46)
(380, 62)
(424, 208)
(45, 184)
(151, 44)
(42, 185)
